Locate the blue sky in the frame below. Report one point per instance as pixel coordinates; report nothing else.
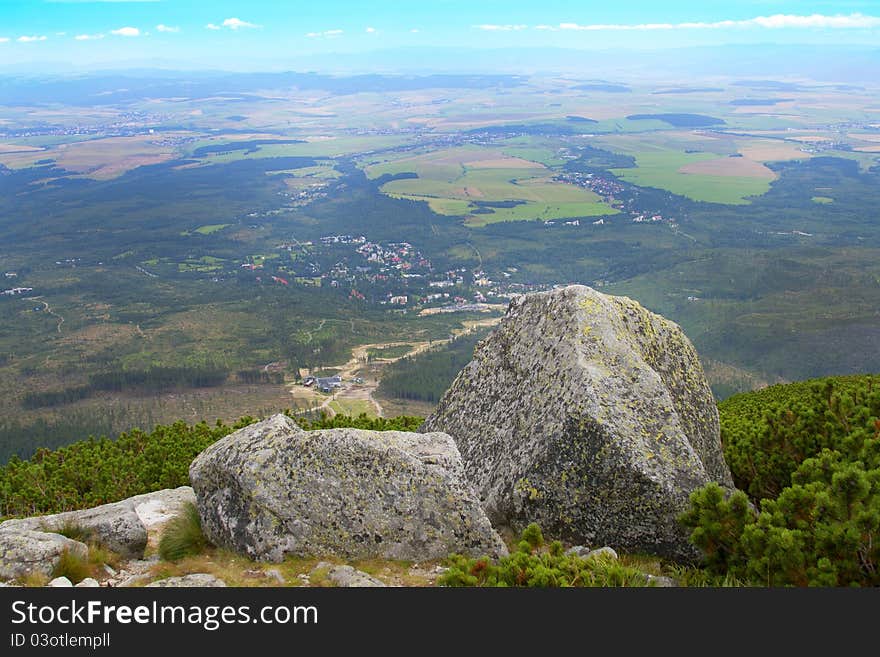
(93, 32)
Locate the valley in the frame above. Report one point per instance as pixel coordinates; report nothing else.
(161, 248)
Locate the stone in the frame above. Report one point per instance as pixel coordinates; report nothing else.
(271, 490)
(60, 582)
(194, 580)
(274, 573)
(25, 551)
(603, 552)
(88, 583)
(589, 415)
(660, 581)
(345, 576)
(118, 526)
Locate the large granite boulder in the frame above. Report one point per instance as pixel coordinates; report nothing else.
(23, 552)
(589, 415)
(271, 490)
(119, 526)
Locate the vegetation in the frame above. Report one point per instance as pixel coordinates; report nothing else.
(72, 566)
(98, 471)
(426, 376)
(808, 455)
(182, 535)
(535, 565)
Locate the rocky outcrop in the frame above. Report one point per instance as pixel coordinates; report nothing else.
(119, 526)
(589, 415)
(271, 490)
(23, 552)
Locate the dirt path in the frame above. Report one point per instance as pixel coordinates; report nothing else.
(359, 392)
(49, 311)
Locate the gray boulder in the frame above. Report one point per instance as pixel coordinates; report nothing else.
(118, 526)
(24, 551)
(272, 489)
(589, 415)
(346, 577)
(195, 580)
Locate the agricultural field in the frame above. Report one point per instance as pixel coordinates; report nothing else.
(487, 186)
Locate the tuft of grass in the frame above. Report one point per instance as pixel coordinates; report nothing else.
(72, 566)
(182, 536)
(34, 579)
(700, 577)
(100, 555)
(74, 532)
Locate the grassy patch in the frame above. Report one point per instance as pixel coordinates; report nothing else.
(822, 200)
(182, 536)
(73, 567)
(211, 228)
(661, 170)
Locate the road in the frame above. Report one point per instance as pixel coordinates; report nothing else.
(357, 392)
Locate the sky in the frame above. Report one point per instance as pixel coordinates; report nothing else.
(233, 33)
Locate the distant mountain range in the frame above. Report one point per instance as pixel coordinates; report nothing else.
(856, 64)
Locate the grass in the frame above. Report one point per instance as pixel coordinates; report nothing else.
(182, 535)
(457, 181)
(661, 169)
(331, 147)
(353, 407)
(211, 228)
(822, 200)
(394, 351)
(73, 567)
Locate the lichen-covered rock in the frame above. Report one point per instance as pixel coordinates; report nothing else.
(589, 415)
(346, 577)
(23, 552)
(194, 580)
(118, 526)
(271, 490)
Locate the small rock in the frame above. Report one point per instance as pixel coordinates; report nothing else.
(660, 581)
(109, 570)
(192, 580)
(88, 583)
(578, 551)
(604, 552)
(347, 577)
(60, 582)
(275, 574)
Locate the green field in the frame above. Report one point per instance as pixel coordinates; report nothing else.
(661, 169)
(211, 228)
(329, 147)
(472, 182)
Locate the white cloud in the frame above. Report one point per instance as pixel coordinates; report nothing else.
(126, 32)
(4, 39)
(500, 28)
(777, 21)
(236, 23)
(371, 30)
(325, 33)
(88, 37)
(211, 26)
(549, 28)
(415, 30)
(167, 28)
(30, 39)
